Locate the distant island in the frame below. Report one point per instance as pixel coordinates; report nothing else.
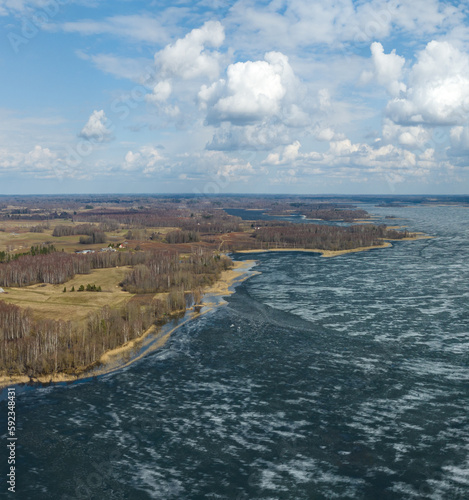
(81, 276)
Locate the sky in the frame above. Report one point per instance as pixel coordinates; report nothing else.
(215, 96)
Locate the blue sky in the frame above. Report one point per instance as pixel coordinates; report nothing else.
(281, 96)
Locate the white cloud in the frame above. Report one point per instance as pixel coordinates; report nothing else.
(391, 162)
(148, 160)
(96, 129)
(459, 140)
(260, 136)
(438, 90)
(189, 57)
(324, 99)
(140, 28)
(408, 136)
(300, 23)
(161, 92)
(355, 161)
(291, 155)
(216, 168)
(20, 6)
(253, 91)
(40, 158)
(327, 134)
(387, 70)
(421, 17)
(255, 106)
(134, 69)
(39, 161)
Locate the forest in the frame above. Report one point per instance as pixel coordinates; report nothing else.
(59, 267)
(325, 237)
(43, 346)
(268, 235)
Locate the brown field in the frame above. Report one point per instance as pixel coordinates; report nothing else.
(49, 301)
(17, 238)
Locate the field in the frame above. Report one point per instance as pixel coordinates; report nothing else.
(15, 237)
(49, 301)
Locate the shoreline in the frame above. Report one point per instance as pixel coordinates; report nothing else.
(154, 338)
(115, 359)
(335, 253)
(324, 253)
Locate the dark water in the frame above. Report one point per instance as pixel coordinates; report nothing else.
(321, 378)
(261, 215)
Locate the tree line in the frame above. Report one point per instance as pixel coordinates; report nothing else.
(317, 236)
(41, 347)
(341, 214)
(35, 250)
(90, 233)
(213, 222)
(59, 267)
(164, 270)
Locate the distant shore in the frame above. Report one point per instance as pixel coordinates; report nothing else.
(152, 339)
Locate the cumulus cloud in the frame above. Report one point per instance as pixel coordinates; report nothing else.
(256, 137)
(255, 106)
(347, 160)
(190, 57)
(96, 129)
(408, 136)
(390, 162)
(252, 91)
(148, 160)
(39, 160)
(327, 134)
(438, 90)
(291, 155)
(216, 167)
(161, 92)
(387, 70)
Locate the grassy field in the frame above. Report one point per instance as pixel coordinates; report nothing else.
(16, 237)
(49, 301)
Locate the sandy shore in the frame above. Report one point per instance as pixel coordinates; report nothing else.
(324, 253)
(335, 253)
(237, 274)
(152, 339)
(414, 237)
